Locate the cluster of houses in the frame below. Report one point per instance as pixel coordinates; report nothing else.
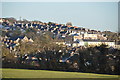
(71, 35)
(11, 43)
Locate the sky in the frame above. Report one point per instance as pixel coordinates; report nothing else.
(92, 15)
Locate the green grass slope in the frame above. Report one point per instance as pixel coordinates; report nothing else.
(23, 73)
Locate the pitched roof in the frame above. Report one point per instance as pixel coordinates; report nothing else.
(15, 38)
(75, 27)
(75, 35)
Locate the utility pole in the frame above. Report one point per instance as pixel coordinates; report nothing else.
(20, 18)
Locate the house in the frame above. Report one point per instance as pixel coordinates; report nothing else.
(16, 41)
(1, 20)
(90, 36)
(12, 42)
(96, 42)
(90, 42)
(30, 40)
(76, 44)
(20, 38)
(76, 36)
(101, 37)
(60, 42)
(25, 39)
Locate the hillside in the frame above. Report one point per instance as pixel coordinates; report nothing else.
(112, 35)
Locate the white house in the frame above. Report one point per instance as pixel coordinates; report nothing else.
(90, 36)
(96, 43)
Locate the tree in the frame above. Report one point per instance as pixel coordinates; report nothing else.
(6, 53)
(68, 24)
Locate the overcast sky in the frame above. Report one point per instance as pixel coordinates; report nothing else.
(93, 15)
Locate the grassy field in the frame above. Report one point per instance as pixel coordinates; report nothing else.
(23, 73)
